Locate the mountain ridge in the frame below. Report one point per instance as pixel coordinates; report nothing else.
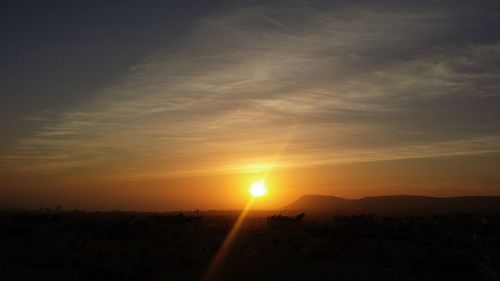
(397, 204)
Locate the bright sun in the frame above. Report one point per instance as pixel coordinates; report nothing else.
(258, 188)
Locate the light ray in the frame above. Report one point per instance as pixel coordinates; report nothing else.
(221, 254)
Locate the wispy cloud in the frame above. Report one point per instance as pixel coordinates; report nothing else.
(334, 83)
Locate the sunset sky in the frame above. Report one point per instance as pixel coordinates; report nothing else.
(168, 105)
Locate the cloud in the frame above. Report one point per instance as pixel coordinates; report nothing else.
(314, 83)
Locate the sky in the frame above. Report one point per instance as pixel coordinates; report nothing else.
(169, 105)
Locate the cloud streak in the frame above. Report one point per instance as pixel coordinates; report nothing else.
(335, 83)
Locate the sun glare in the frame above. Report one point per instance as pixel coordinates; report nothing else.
(258, 188)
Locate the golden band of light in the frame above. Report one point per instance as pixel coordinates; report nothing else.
(219, 257)
(224, 249)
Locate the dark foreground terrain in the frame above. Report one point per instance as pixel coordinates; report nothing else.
(75, 245)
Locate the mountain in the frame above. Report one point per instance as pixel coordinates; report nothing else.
(398, 204)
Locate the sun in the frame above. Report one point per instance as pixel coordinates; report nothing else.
(258, 188)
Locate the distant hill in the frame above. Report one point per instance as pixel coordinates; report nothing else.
(399, 204)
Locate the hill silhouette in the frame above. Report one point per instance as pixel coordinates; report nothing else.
(398, 204)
